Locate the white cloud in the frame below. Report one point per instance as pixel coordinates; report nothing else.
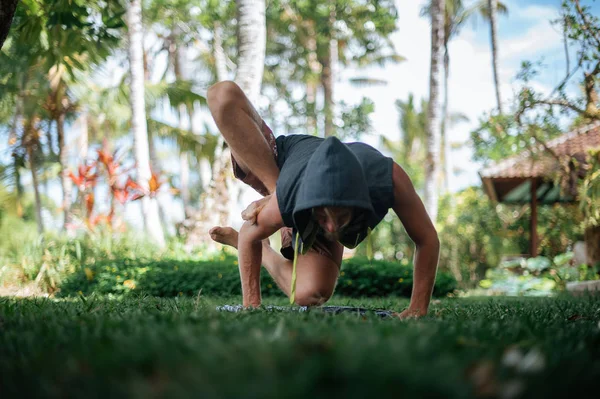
(538, 38)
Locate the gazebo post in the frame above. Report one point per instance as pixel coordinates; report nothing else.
(533, 241)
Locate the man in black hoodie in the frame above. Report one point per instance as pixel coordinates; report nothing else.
(322, 195)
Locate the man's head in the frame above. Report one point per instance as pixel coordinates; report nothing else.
(332, 176)
(333, 220)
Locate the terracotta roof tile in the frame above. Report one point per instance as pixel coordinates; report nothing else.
(539, 163)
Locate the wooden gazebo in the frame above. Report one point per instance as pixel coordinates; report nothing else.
(528, 177)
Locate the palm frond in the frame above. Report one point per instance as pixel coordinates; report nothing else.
(379, 59)
(457, 117)
(179, 92)
(368, 82)
(198, 146)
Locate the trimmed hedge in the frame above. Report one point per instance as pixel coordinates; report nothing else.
(363, 278)
(220, 277)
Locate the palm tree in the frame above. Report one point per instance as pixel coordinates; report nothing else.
(31, 142)
(493, 11)
(432, 164)
(138, 120)
(183, 26)
(455, 15)
(489, 10)
(325, 34)
(59, 104)
(413, 124)
(65, 38)
(251, 42)
(7, 11)
(409, 151)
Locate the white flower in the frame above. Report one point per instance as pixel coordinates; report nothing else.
(512, 357)
(533, 362)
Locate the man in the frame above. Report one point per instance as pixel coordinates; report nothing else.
(322, 195)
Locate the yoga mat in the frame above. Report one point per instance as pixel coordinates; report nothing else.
(324, 309)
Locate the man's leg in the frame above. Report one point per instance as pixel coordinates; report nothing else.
(316, 274)
(241, 127)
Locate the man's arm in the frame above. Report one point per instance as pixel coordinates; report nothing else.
(411, 211)
(268, 221)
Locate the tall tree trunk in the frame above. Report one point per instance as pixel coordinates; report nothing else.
(327, 83)
(432, 165)
(493, 8)
(83, 142)
(217, 199)
(219, 53)
(328, 76)
(251, 46)
(154, 161)
(591, 95)
(36, 189)
(138, 120)
(445, 143)
(12, 139)
(311, 107)
(12, 134)
(50, 140)
(18, 185)
(7, 12)
(184, 166)
(155, 168)
(184, 183)
(566, 47)
(252, 41)
(63, 160)
(179, 59)
(312, 83)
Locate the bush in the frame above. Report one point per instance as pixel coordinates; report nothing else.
(27, 257)
(363, 278)
(167, 278)
(537, 276)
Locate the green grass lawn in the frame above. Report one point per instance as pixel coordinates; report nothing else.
(148, 347)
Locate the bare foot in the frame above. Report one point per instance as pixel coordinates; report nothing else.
(224, 235)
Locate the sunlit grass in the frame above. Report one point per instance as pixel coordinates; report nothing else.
(183, 347)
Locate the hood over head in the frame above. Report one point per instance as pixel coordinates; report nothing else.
(333, 177)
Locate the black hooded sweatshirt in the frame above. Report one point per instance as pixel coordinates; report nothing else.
(326, 172)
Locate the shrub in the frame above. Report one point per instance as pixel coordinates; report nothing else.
(167, 278)
(537, 276)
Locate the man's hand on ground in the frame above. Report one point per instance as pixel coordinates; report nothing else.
(251, 212)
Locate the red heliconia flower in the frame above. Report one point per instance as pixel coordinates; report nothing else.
(110, 163)
(120, 194)
(131, 184)
(86, 178)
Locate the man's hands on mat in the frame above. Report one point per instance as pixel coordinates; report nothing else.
(251, 212)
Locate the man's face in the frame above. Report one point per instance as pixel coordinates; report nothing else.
(333, 220)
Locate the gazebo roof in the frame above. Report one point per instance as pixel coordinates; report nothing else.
(510, 180)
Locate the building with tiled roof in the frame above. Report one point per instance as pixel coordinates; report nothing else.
(529, 177)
